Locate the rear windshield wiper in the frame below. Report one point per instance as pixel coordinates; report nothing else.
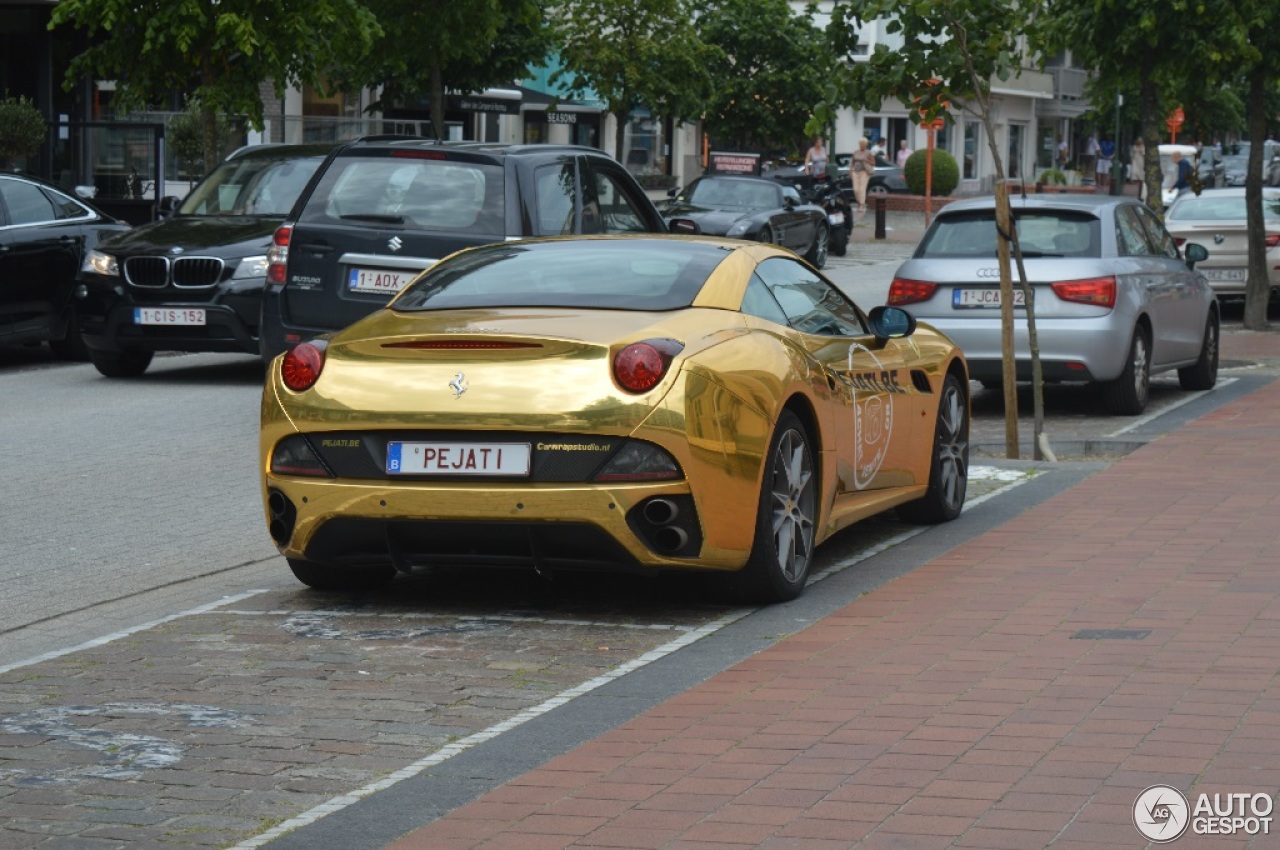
(379, 218)
(1040, 254)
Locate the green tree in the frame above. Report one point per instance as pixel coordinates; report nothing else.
(218, 51)
(22, 129)
(632, 53)
(951, 51)
(429, 47)
(776, 64)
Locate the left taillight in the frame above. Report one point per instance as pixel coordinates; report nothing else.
(278, 254)
(1099, 291)
(641, 365)
(294, 456)
(303, 364)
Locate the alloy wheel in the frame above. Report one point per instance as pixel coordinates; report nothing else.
(793, 499)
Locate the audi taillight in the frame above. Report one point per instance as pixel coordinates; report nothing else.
(1179, 241)
(1273, 239)
(640, 366)
(303, 364)
(278, 254)
(1099, 291)
(903, 291)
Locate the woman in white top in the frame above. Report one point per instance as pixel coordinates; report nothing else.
(815, 160)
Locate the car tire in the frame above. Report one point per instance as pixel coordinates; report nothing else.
(1203, 375)
(786, 518)
(1127, 394)
(949, 465)
(817, 253)
(839, 244)
(765, 235)
(346, 579)
(72, 345)
(126, 363)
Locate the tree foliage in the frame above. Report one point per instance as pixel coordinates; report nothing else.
(631, 53)
(22, 129)
(776, 62)
(429, 47)
(218, 52)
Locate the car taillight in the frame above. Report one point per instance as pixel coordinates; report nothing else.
(1273, 239)
(1179, 241)
(278, 254)
(294, 456)
(903, 291)
(302, 365)
(639, 461)
(1100, 291)
(640, 366)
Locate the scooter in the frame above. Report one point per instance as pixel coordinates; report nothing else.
(826, 194)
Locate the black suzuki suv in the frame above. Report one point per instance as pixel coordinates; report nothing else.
(193, 281)
(381, 210)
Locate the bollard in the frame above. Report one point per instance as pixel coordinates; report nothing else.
(880, 205)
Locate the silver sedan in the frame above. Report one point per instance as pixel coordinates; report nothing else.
(1217, 219)
(1115, 299)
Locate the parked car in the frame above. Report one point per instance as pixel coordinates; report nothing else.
(1235, 168)
(1218, 220)
(621, 402)
(1270, 158)
(886, 177)
(756, 208)
(1115, 301)
(44, 235)
(1212, 170)
(383, 209)
(194, 281)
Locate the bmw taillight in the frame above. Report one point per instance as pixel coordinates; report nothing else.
(278, 254)
(1099, 291)
(640, 366)
(903, 291)
(302, 365)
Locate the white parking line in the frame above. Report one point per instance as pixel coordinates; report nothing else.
(1189, 397)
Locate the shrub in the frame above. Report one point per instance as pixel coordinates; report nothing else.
(22, 130)
(946, 174)
(1053, 177)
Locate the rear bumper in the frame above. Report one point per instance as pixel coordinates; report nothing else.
(226, 329)
(1080, 349)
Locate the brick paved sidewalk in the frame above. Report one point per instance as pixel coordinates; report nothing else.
(1017, 692)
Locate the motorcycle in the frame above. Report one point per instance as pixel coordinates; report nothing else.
(826, 194)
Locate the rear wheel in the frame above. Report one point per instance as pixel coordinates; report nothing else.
(783, 546)
(817, 253)
(949, 467)
(1127, 394)
(121, 364)
(877, 189)
(1204, 374)
(325, 577)
(839, 244)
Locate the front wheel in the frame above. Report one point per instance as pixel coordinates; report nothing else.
(785, 517)
(1203, 375)
(817, 253)
(126, 363)
(1127, 394)
(765, 235)
(949, 463)
(325, 577)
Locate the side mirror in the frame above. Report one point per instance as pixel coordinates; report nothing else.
(687, 226)
(167, 206)
(788, 202)
(891, 322)
(1194, 253)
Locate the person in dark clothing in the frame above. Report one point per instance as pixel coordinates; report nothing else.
(1182, 183)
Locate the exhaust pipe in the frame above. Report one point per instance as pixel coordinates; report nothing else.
(670, 538)
(661, 511)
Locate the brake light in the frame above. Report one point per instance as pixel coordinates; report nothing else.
(278, 254)
(419, 155)
(903, 291)
(302, 365)
(1100, 291)
(1179, 241)
(1273, 239)
(640, 366)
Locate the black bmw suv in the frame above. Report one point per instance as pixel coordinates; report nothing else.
(193, 281)
(383, 209)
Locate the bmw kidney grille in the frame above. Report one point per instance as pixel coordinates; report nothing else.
(183, 273)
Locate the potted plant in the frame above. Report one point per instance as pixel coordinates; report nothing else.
(22, 131)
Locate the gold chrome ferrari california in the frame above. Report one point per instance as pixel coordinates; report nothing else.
(633, 403)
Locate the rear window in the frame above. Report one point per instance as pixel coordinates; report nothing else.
(1041, 233)
(434, 194)
(631, 274)
(1211, 207)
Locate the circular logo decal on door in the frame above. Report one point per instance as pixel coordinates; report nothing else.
(872, 424)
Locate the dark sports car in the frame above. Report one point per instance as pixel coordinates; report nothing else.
(752, 208)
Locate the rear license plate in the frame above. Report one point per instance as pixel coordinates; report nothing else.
(975, 299)
(1225, 274)
(457, 458)
(378, 280)
(836, 219)
(168, 316)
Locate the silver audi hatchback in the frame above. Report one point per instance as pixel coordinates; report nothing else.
(1115, 301)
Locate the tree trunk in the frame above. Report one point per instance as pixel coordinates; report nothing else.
(1149, 119)
(621, 114)
(1258, 288)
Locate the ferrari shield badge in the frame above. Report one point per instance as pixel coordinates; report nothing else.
(872, 425)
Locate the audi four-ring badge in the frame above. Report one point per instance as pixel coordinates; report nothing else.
(638, 403)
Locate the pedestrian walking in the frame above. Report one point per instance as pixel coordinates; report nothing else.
(815, 159)
(861, 163)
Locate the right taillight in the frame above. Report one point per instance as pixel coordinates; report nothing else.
(903, 291)
(1099, 291)
(278, 254)
(302, 365)
(640, 366)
